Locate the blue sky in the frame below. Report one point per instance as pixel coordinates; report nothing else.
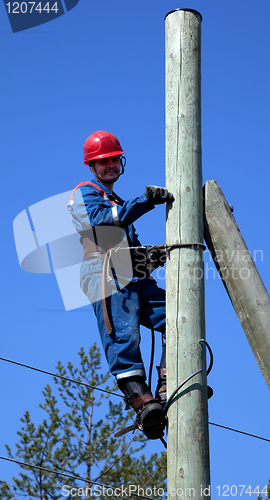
(102, 66)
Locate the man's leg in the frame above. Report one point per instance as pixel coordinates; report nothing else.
(122, 346)
(152, 301)
(123, 354)
(153, 315)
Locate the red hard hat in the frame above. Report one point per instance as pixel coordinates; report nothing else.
(101, 144)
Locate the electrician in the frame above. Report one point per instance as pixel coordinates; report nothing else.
(122, 300)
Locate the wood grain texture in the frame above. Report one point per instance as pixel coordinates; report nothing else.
(188, 446)
(239, 274)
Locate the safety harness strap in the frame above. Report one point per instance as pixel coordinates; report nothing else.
(136, 403)
(101, 192)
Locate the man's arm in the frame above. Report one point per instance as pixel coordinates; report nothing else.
(90, 208)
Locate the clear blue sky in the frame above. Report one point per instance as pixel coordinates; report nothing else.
(101, 66)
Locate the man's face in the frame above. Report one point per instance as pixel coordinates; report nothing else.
(108, 169)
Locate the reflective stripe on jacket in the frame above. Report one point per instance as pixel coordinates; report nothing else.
(93, 205)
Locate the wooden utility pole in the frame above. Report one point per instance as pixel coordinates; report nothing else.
(188, 443)
(239, 274)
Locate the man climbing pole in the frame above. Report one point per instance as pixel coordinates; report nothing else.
(120, 307)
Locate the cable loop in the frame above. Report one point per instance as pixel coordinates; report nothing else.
(170, 400)
(211, 355)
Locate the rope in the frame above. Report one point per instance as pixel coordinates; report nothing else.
(61, 376)
(167, 247)
(180, 245)
(65, 474)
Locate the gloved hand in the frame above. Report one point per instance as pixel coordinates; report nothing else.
(156, 257)
(158, 195)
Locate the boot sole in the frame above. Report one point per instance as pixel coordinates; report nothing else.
(153, 421)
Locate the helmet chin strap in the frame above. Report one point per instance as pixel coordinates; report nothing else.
(123, 164)
(96, 175)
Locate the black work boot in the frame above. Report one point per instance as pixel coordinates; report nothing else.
(150, 415)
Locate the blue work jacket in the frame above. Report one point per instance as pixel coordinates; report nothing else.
(94, 216)
(90, 210)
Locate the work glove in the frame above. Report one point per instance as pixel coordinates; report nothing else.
(158, 195)
(156, 258)
(145, 260)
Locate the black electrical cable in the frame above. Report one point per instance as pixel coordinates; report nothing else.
(152, 358)
(120, 395)
(229, 429)
(65, 474)
(163, 442)
(61, 376)
(170, 400)
(211, 355)
(241, 432)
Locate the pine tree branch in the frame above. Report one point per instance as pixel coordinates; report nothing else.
(22, 495)
(40, 481)
(86, 413)
(48, 493)
(138, 478)
(72, 432)
(153, 475)
(117, 459)
(72, 397)
(103, 439)
(88, 459)
(60, 469)
(95, 402)
(76, 437)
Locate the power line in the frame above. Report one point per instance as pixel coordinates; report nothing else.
(120, 395)
(61, 376)
(65, 474)
(241, 432)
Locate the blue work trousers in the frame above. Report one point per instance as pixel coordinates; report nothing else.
(141, 302)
